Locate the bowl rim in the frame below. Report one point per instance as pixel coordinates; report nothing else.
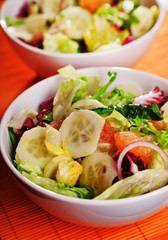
(28, 47)
(47, 194)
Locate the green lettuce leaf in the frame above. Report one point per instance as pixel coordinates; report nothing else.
(101, 33)
(26, 166)
(59, 42)
(118, 97)
(61, 188)
(118, 121)
(14, 21)
(13, 137)
(103, 89)
(162, 139)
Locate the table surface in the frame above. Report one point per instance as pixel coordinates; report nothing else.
(20, 217)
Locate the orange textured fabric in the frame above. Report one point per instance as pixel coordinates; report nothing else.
(20, 218)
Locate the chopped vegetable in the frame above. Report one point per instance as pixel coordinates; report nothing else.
(93, 5)
(154, 96)
(140, 144)
(91, 140)
(124, 138)
(101, 25)
(138, 184)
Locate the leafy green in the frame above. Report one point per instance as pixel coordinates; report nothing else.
(156, 161)
(66, 94)
(103, 10)
(14, 21)
(82, 191)
(13, 137)
(102, 33)
(118, 97)
(103, 89)
(131, 111)
(80, 90)
(48, 117)
(144, 126)
(59, 42)
(26, 166)
(112, 14)
(20, 168)
(141, 182)
(127, 22)
(162, 139)
(118, 121)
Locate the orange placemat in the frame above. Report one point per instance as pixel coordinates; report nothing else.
(20, 218)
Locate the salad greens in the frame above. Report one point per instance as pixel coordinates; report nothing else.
(61, 188)
(100, 26)
(92, 141)
(132, 111)
(138, 184)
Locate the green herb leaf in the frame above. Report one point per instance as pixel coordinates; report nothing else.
(14, 21)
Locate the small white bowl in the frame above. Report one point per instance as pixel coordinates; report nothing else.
(47, 63)
(95, 213)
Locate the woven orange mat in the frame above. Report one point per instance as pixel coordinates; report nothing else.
(20, 218)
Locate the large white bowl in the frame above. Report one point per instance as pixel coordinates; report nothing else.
(96, 213)
(47, 63)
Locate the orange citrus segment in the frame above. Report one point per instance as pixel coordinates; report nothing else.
(159, 125)
(123, 139)
(93, 5)
(107, 134)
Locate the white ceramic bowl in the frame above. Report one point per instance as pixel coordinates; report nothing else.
(47, 63)
(96, 213)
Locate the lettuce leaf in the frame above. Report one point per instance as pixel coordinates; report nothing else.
(68, 91)
(103, 89)
(82, 191)
(140, 183)
(162, 139)
(14, 21)
(118, 121)
(13, 137)
(156, 161)
(26, 166)
(101, 33)
(118, 97)
(59, 42)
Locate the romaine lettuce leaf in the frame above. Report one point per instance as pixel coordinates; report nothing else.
(137, 184)
(68, 91)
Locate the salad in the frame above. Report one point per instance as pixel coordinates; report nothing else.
(92, 141)
(77, 26)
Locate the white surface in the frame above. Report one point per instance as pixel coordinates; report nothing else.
(97, 213)
(165, 3)
(47, 63)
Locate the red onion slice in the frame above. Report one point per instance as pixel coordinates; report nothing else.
(138, 144)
